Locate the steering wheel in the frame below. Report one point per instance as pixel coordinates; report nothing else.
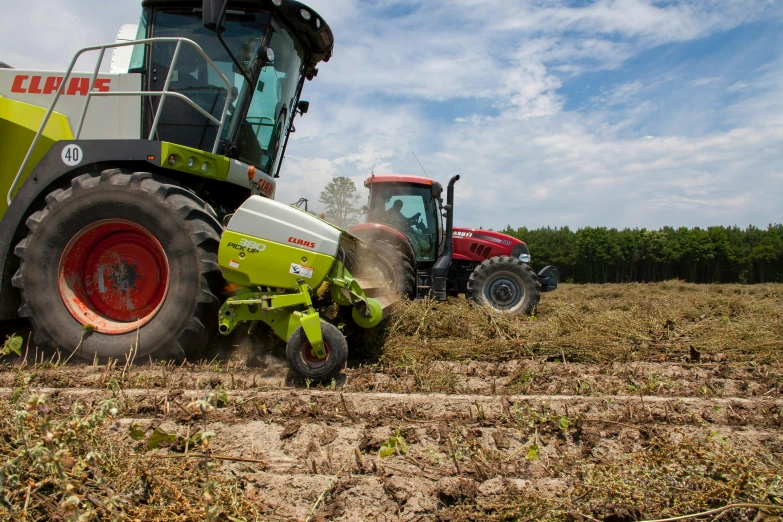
(416, 218)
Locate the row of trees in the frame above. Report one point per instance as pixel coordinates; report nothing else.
(712, 255)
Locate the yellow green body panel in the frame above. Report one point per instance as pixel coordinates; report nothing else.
(181, 156)
(250, 261)
(284, 313)
(286, 310)
(19, 122)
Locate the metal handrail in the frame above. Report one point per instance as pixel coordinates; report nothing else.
(163, 94)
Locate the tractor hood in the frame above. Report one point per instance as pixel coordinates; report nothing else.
(471, 244)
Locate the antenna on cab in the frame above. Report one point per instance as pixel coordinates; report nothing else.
(420, 165)
(372, 169)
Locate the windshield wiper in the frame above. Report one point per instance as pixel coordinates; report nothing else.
(219, 31)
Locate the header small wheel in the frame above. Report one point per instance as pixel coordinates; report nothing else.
(304, 362)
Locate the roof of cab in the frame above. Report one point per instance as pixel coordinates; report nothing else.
(398, 178)
(315, 33)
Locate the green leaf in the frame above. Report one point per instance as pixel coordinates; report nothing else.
(386, 451)
(221, 398)
(532, 452)
(160, 436)
(13, 344)
(136, 431)
(395, 443)
(563, 424)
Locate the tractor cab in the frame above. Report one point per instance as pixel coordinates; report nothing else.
(411, 206)
(409, 225)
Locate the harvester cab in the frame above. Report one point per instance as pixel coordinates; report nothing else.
(410, 225)
(115, 184)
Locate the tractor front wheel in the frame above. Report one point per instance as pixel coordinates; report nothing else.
(505, 284)
(121, 261)
(303, 361)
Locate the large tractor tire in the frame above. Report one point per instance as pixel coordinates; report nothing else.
(402, 276)
(505, 284)
(121, 261)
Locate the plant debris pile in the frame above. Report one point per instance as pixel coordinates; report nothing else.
(600, 324)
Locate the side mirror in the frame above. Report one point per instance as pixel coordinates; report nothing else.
(437, 190)
(211, 11)
(303, 107)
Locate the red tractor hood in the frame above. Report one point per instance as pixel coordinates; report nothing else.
(472, 244)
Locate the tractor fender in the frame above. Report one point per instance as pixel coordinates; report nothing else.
(371, 232)
(49, 174)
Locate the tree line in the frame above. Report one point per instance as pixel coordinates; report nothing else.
(608, 255)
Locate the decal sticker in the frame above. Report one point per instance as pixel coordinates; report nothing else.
(303, 271)
(26, 84)
(302, 242)
(246, 245)
(233, 264)
(72, 155)
(265, 188)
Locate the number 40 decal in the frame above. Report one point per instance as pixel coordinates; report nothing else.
(72, 155)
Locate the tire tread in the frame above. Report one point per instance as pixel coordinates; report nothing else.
(197, 218)
(482, 272)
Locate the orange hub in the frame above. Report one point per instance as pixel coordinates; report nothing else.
(310, 359)
(113, 275)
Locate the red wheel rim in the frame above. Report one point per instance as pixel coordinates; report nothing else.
(310, 359)
(114, 276)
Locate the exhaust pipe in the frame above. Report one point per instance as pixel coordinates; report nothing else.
(440, 269)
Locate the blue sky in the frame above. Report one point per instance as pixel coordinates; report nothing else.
(634, 113)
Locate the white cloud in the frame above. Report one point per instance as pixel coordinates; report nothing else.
(619, 94)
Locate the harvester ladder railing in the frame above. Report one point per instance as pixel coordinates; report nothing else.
(163, 95)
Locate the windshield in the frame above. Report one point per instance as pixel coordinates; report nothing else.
(262, 130)
(411, 210)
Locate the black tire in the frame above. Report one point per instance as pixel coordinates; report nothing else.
(403, 276)
(186, 230)
(505, 284)
(336, 353)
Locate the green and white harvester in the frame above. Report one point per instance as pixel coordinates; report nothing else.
(116, 186)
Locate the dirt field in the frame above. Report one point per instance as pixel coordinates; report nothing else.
(614, 403)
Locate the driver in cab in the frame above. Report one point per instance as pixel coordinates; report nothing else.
(395, 216)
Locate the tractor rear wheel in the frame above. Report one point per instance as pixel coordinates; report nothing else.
(303, 361)
(505, 284)
(121, 260)
(403, 277)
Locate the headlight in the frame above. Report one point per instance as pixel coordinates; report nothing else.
(525, 258)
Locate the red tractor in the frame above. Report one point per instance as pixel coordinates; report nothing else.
(405, 224)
